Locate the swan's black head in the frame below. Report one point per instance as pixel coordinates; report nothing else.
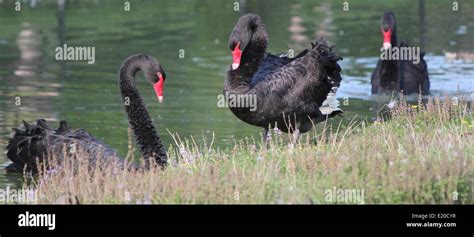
(387, 26)
(156, 75)
(248, 26)
(152, 70)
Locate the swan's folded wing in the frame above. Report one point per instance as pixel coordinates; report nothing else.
(308, 83)
(270, 64)
(26, 145)
(34, 143)
(308, 64)
(305, 68)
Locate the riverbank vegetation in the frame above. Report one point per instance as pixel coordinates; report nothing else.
(422, 154)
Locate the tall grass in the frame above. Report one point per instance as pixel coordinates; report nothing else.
(423, 154)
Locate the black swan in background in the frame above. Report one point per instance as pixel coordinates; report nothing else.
(294, 93)
(41, 141)
(398, 75)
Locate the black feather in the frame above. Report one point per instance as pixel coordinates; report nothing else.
(284, 87)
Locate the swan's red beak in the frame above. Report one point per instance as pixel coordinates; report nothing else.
(387, 36)
(236, 55)
(158, 87)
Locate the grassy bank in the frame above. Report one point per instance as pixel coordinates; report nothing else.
(423, 154)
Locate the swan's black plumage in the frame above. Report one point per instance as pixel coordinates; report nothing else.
(290, 92)
(399, 75)
(270, 64)
(37, 142)
(145, 133)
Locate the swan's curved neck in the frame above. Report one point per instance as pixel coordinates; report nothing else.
(145, 133)
(255, 51)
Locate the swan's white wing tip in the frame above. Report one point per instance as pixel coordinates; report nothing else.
(331, 104)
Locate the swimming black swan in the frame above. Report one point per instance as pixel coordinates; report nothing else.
(409, 76)
(294, 93)
(37, 142)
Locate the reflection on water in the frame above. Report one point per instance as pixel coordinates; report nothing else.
(87, 95)
(24, 86)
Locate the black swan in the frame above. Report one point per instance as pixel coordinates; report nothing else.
(398, 75)
(38, 142)
(291, 94)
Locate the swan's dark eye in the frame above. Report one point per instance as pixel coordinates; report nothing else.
(253, 26)
(232, 46)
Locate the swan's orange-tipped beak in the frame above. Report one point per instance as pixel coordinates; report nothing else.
(236, 56)
(387, 36)
(158, 87)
